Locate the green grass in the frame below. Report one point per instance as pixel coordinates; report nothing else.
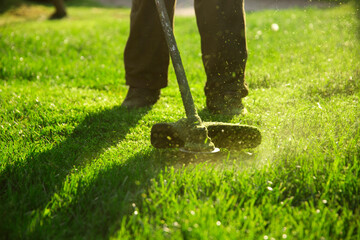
(76, 165)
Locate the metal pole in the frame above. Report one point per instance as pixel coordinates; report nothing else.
(186, 96)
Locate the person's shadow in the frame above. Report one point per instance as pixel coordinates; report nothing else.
(29, 186)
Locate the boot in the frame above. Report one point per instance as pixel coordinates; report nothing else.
(141, 97)
(225, 103)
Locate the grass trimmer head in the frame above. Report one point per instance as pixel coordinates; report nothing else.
(222, 135)
(191, 134)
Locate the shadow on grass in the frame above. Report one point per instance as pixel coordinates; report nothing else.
(100, 205)
(29, 185)
(35, 205)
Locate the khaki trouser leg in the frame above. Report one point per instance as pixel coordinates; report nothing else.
(146, 54)
(223, 43)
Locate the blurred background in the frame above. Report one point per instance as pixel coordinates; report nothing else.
(185, 7)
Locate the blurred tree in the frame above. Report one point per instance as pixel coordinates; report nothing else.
(60, 10)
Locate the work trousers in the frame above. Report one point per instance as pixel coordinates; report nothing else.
(221, 24)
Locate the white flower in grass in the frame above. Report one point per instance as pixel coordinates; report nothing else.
(166, 229)
(275, 27)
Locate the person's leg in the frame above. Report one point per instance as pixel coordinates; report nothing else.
(146, 55)
(60, 10)
(223, 44)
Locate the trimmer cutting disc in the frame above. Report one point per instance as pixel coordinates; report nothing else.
(223, 135)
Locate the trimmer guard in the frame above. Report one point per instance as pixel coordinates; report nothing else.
(223, 135)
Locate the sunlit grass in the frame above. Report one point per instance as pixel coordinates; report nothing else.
(76, 165)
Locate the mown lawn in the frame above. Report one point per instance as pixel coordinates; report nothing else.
(74, 164)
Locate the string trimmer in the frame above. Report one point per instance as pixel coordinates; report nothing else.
(191, 134)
